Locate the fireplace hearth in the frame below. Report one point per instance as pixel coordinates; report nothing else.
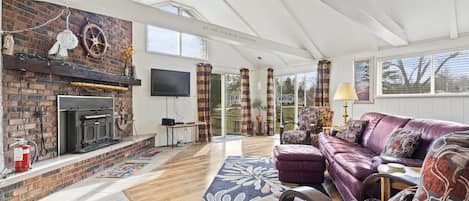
(86, 123)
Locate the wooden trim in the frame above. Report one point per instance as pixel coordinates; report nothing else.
(59, 68)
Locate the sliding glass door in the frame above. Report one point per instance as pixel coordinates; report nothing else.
(285, 102)
(232, 104)
(292, 93)
(216, 104)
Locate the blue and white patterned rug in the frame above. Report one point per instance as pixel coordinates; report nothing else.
(244, 179)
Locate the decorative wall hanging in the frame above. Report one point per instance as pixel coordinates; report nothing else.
(8, 44)
(66, 40)
(363, 80)
(124, 118)
(94, 40)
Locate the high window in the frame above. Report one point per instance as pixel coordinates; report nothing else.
(432, 74)
(166, 41)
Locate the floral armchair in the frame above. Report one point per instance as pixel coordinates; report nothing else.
(445, 172)
(311, 121)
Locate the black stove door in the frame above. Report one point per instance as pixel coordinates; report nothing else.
(90, 132)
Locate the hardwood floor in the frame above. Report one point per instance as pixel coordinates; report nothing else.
(187, 175)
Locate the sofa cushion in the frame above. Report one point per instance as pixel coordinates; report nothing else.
(383, 131)
(445, 171)
(335, 148)
(352, 130)
(402, 144)
(297, 152)
(357, 164)
(348, 186)
(325, 139)
(373, 119)
(430, 130)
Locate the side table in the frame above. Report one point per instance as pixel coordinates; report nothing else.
(387, 184)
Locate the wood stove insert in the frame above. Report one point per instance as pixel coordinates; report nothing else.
(86, 123)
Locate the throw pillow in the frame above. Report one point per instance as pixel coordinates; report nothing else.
(352, 131)
(402, 144)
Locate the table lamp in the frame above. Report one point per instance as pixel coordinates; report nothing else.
(346, 92)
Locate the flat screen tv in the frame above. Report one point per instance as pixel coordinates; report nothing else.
(170, 83)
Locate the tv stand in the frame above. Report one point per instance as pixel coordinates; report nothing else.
(183, 125)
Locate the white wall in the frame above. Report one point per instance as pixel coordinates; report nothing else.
(149, 110)
(444, 108)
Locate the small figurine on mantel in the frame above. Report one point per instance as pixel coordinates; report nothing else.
(128, 53)
(8, 44)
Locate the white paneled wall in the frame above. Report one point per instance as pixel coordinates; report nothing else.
(446, 108)
(455, 108)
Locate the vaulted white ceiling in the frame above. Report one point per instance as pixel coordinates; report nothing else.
(331, 28)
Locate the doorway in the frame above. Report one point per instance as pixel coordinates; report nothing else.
(225, 104)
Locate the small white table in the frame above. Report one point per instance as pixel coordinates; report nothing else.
(184, 125)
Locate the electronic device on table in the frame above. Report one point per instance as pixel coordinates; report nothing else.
(168, 122)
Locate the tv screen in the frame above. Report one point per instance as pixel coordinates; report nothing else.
(170, 83)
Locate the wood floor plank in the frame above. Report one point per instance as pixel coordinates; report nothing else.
(189, 173)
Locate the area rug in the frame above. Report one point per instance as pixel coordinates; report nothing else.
(244, 179)
(149, 154)
(123, 170)
(227, 138)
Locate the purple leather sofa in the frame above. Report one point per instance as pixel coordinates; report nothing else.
(349, 164)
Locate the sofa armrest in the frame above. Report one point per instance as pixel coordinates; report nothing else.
(411, 162)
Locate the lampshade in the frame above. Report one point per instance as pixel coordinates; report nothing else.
(345, 91)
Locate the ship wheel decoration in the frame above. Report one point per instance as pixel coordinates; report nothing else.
(94, 40)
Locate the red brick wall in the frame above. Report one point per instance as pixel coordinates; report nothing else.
(42, 89)
(40, 186)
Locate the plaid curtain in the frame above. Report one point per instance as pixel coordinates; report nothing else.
(245, 103)
(270, 100)
(321, 97)
(203, 100)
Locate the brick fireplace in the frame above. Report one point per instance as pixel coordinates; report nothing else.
(24, 91)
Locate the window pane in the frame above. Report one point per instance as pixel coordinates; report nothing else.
(285, 102)
(407, 76)
(310, 87)
(162, 40)
(170, 9)
(215, 104)
(233, 104)
(452, 72)
(301, 90)
(193, 46)
(186, 14)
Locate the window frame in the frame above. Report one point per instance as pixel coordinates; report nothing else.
(180, 45)
(295, 96)
(432, 93)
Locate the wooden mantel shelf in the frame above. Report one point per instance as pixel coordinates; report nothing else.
(65, 69)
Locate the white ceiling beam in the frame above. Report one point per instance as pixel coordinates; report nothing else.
(227, 3)
(310, 45)
(453, 23)
(375, 21)
(253, 30)
(136, 12)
